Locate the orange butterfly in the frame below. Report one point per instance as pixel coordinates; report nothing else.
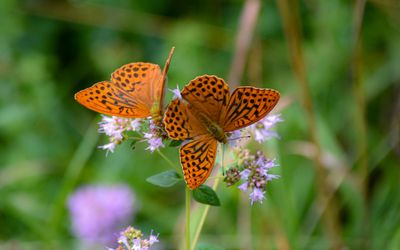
(205, 113)
(136, 90)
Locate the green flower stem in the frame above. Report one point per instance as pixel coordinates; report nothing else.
(132, 138)
(169, 161)
(203, 217)
(187, 224)
(162, 155)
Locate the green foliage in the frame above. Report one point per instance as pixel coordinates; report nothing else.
(49, 50)
(175, 143)
(165, 179)
(206, 195)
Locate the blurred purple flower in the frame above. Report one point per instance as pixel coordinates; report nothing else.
(98, 212)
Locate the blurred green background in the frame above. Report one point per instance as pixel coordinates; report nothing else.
(51, 49)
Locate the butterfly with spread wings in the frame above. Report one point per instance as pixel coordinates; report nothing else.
(206, 112)
(136, 90)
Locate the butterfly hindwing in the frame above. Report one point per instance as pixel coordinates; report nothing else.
(248, 105)
(197, 160)
(207, 94)
(180, 121)
(107, 98)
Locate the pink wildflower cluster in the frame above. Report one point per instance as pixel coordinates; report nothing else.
(116, 127)
(253, 172)
(132, 239)
(154, 138)
(262, 130)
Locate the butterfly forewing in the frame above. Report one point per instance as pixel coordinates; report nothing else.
(181, 123)
(143, 81)
(197, 160)
(107, 98)
(207, 94)
(248, 105)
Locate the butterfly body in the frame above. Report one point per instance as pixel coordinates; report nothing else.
(212, 127)
(206, 112)
(155, 113)
(136, 90)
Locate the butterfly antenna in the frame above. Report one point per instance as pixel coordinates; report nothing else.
(240, 137)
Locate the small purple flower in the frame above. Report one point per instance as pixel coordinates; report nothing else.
(262, 129)
(153, 239)
(132, 239)
(137, 244)
(109, 126)
(109, 147)
(154, 138)
(114, 127)
(257, 195)
(153, 141)
(98, 211)
(243, 186)
(254, 174)
(244, 175)
(135, 124)
(177, 93)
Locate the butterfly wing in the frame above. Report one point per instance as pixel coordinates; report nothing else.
(197, 160)
(107, 98)
(129, 94)
(248, 105)
(181, 122)
(208, 95)
(197, 157)
(142, 81)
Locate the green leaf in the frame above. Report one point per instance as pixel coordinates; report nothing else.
(206, 195)
(165, 179)
(133, 143)
(175, 143)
